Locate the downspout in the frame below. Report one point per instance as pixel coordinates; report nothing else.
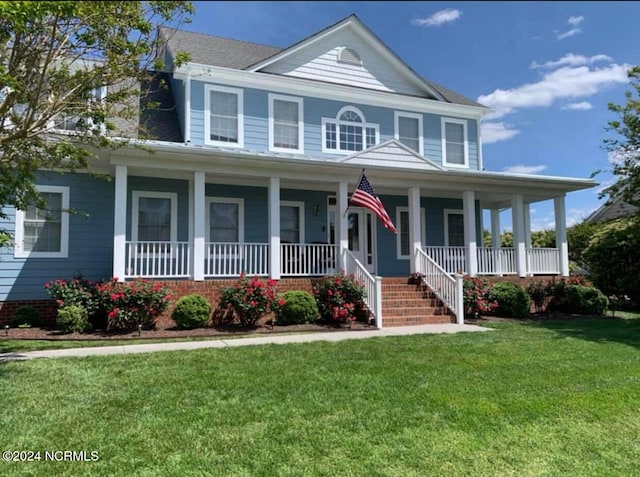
(480, 161)
(187, 108)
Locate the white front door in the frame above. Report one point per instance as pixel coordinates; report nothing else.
(361, 235)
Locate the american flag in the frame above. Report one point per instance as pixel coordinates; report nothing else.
(366, 197)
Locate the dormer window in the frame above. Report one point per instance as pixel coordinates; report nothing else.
(349, 56)
(68, 122)
(348, 132)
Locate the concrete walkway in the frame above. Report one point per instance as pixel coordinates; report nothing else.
(222, 343)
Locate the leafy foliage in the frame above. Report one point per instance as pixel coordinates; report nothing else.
(299, 307)
(513, 300)
(25, 316)
(338, 297)
(77, 291)
(476, 296)
(72, 319)
(538, 292)
(53, 57)
(578, 238)
(251, 298)
(191, 311)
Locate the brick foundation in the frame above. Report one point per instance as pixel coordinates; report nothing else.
(8, 308)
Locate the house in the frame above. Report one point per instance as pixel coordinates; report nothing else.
(252, 170)
(612, 210)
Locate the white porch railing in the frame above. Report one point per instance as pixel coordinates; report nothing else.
(446, 287)
(496, 261)
(307, 259)
(372, 286)
(451, 259)
(543, 260)
(222, 259)
(157, 259)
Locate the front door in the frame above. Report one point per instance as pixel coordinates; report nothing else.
(361, 230)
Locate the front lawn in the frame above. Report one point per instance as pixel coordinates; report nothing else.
(531, 398)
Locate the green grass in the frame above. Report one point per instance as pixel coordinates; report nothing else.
(528, 399)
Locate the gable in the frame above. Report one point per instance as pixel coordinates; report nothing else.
(319, 60)
(392, 153)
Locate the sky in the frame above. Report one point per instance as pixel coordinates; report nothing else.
(548, 70)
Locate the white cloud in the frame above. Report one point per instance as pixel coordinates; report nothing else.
(563, 83)
(440, 17)
(497, 131)
(570, 59)
(522, 169)
(581, 106)
(575, 21)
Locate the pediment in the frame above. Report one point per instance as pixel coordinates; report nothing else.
(392, 153)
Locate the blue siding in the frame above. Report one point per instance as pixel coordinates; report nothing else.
(90, 240)
(256, 130)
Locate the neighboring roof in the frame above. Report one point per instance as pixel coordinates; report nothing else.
(614, 210)
(158, 117)
(236, 54)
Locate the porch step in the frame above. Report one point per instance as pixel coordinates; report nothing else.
(405, 304)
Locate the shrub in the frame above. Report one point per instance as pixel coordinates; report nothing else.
(76, 291)
(513, 300)
(251, 298)
(338, 296)
(191, 311)
(584, 300)
(25, 316)
(129, 304)
(476, 296)
(72, 319)
(299, 307)
(538, 292)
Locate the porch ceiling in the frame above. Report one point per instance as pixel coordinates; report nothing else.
(493, 189)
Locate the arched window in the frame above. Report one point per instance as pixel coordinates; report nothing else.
(348, 132)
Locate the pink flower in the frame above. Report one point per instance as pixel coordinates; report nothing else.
(114, 297)
(60, 302)
(47, 285)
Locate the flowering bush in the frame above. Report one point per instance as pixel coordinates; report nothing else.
(251, 298)
(338, 296)
(129, 304)
(476, 296)
(77, 291)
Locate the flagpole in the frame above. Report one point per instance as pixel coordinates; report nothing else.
(358, 183)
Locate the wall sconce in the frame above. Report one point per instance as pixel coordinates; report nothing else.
(316, 209)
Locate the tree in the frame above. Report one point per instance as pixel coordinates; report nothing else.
(54, 56)
(625, 147)
(578, 237)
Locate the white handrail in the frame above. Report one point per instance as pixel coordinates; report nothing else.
(157, 259)
(445, 287)
(372, 286)
(496, 261)
(228, 259)
(451, 259)
(543, 260)
(307, 259)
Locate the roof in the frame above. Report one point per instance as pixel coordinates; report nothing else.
(612, 210)
(158, 116)
(237, 54)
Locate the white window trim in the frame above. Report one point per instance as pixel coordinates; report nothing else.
(69, 132)
(300, 205)
(135, 208)
(396, 120)
(208, 88)
(448, 212)
(423, 229)
(225, 200)
(463, 122)
(337, 122)
(290, 99)
(19, 252)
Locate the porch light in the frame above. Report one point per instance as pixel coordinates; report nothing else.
(6, 330)
(139, 329)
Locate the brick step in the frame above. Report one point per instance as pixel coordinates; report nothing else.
(413, 312)
(403, 286)
(410, 301)
(391, 321)
(399, 293)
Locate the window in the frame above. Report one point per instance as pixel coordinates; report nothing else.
(225, 220)
(409, 130)
(454, 143)
(453, 228)
(154, 217)
(286, 129)
(292, 222)
(66, 122)
(44, 233)
(223, 118)
(348, 132)
(403, 245)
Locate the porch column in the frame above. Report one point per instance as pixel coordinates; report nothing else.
(496, 240)
(198, 226)
(274, 228)
(120, 223)
(561, 234)
(415, 236)
(518, 234)
(342, 224)
(470, 243)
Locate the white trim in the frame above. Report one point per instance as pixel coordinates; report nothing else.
(187, 109)
(136, 195)
(463, 122)
(18, 250)
(208, 88)
(448, 212)
(225, 200)
(300, 205)
(120, 200)
(396, 122)
(337, 122)
(290, 99)
(333, 92)
(423, 228)
(480, 160)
